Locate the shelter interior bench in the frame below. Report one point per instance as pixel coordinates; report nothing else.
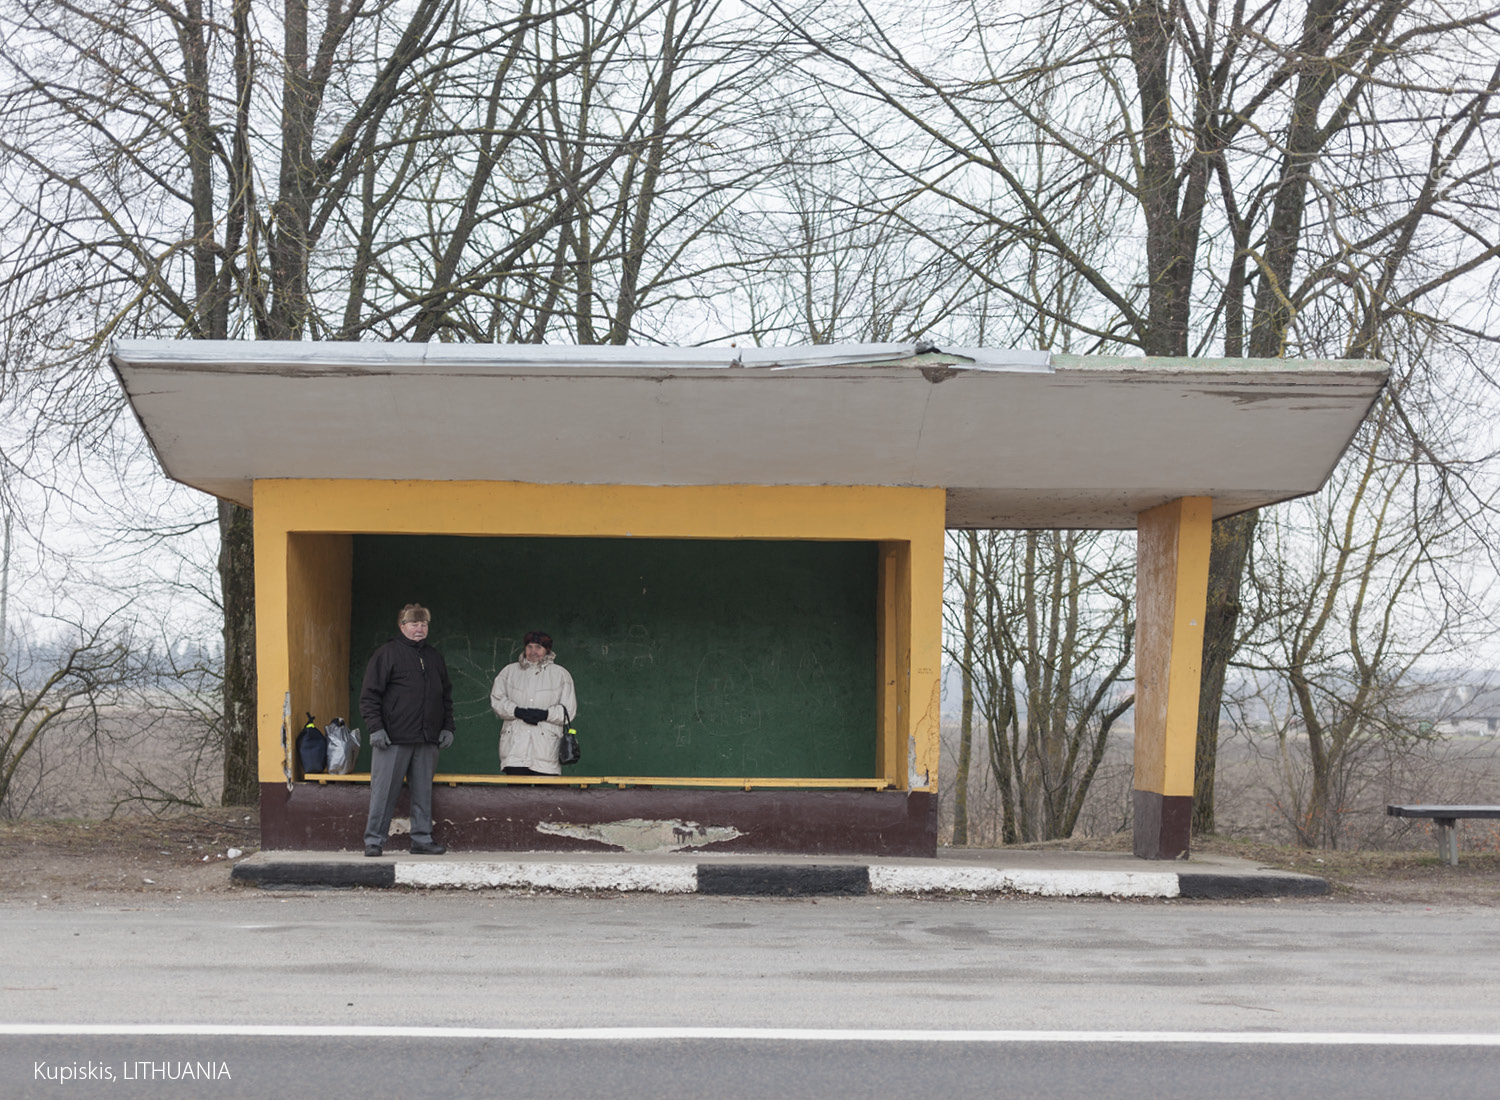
(1446, 819)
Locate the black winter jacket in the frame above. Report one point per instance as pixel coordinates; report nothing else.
(407, 693)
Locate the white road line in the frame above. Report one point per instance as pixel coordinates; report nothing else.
(810, 1035)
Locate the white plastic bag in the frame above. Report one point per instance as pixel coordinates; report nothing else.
(343, 747)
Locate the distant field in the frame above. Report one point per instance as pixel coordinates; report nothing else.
(135, 762)
(1252, 785)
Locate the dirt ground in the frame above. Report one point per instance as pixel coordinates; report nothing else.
(190, 854)
(170, 855)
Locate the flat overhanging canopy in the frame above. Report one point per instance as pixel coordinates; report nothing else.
(1019, 439)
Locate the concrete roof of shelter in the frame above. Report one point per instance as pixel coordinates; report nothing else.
(1018, 438)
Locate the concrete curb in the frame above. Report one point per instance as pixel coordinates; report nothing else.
(333, 874)
(1216, 887)
(784, 879)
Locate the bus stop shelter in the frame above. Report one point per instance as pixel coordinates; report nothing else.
(739, 553)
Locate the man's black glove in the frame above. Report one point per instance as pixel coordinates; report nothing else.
(531, 715)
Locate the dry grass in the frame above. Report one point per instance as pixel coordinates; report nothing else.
(1254, 789)
(128, 762)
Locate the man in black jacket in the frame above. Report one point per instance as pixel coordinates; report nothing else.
(407, 703)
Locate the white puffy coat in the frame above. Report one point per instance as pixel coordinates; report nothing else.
(523, 684)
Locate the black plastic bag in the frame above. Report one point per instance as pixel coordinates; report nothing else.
(312, 748)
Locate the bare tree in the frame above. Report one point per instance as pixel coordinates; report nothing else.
(1175, 178)
(44, 688)
(829, 264)
(961, 611)
(109, 637)
(691, 130)
(1052, 653)
(1356, 589)
(1290, 179)
(447, 169)
(136, 145)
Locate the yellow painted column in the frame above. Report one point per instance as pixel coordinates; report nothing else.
(910, 624)
(320, 574)
(925, 629)
(302, 605)
(1172, 547)
(272, 649)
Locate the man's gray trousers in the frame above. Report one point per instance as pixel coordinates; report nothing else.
(388, 767)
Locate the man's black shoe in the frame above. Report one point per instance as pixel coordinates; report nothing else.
(427, 849)
(374, 850)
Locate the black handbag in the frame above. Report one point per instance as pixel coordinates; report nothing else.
(568, 751)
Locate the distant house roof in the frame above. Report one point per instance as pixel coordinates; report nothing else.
(1018, 438)
(1470, 703)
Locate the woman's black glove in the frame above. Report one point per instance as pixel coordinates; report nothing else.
(531, 715)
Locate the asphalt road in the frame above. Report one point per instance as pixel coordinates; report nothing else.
(1387, 976)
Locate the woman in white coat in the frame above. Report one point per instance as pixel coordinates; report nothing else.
(535, 699)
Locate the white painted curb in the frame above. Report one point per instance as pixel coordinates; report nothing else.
(896, 879)
(550, 876)
(884, 879)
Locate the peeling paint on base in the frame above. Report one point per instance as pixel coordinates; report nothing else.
(639, 835)
(888, 879)
(916, 777)
(550, 876)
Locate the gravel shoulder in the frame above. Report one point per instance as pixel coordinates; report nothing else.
(189, 854)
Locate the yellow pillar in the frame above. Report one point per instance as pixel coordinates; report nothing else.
(1172, 546)
(302, 593)
(319, 575)
(909, 630)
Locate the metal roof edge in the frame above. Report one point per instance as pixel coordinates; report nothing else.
(394, 357)
(260, 354)
(1250, 369)
(293, 356)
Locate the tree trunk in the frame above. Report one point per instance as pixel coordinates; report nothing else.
(237, 582)
(966, 714)
(291, 212)
(1226, 569)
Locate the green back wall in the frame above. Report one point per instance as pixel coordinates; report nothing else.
(691, 657)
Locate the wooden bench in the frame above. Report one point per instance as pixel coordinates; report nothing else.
(1446, 818)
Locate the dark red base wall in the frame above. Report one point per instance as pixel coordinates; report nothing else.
(314, 817)
(1163, 825)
